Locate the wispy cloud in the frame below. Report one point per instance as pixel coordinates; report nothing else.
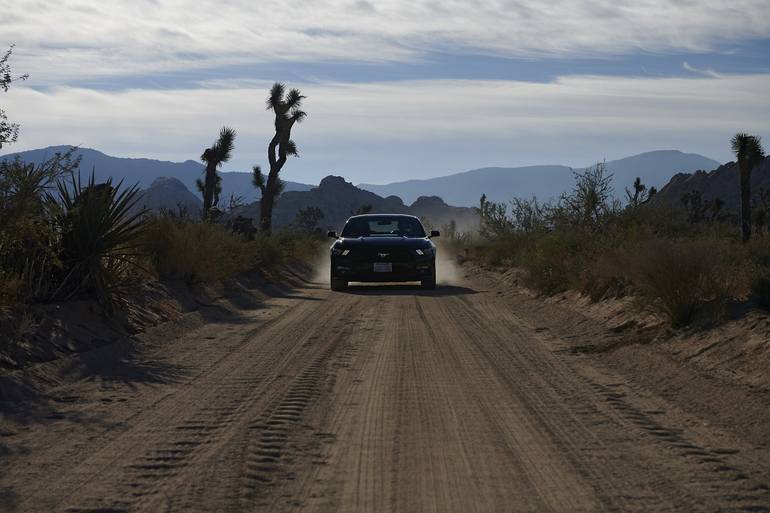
(82, 38)
(707, 71)
(376, 132)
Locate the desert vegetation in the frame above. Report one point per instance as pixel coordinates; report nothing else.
(683, 262)
(62, 237)
(8, 131)
(211, 185)
(288, 112)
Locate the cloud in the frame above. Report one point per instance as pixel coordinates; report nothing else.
(707, 71)
(376, 132)
(72, 39)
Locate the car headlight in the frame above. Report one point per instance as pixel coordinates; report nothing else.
(423, 252)
(340, 252)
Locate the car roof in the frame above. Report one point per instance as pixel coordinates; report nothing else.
(382, 215)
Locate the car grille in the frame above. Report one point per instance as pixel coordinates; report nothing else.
(389, 255)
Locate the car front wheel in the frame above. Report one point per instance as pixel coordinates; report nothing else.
(338, 284)
(430, 283)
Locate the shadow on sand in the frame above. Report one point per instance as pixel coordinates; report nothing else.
(401, 289)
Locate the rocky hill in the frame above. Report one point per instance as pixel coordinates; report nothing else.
(170, 194)
(722, 182)
(339, 199)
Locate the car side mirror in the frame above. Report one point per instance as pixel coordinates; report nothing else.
(434, 233)
(332, 234)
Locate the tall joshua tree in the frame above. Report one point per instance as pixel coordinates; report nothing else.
(748, 150)
(214, 157)
(286, 107)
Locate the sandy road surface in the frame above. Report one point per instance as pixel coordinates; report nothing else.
(377, 399)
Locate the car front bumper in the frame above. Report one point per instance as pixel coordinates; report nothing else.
(363, 271)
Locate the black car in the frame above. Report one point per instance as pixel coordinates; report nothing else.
(383, 248)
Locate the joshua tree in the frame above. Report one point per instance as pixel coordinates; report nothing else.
(748, 150)
(213, 158)
(8, 131)
(287, 112)
(640, 195)
(201, 185)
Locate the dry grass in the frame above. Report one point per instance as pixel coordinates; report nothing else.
(202, 252)
(681, 277)
(194, 251)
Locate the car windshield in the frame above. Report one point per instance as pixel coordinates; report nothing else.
(383, 226)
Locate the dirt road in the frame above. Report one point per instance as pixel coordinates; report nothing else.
(377, 399)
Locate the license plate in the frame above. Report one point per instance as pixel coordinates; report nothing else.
(383, 267)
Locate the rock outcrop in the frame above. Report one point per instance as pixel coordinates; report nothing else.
(723, 183)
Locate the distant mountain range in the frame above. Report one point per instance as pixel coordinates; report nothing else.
(655, 168)
(145, 171)
(339, 199)
(171, 185)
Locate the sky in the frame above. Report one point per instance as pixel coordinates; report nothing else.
(396, 89)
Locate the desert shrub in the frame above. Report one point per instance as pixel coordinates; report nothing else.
(193, 251)
(182, 248)
(678, 277)
(500, 251)
(100, 233)
(553, 261)
(603, 277)
(759, 253)
(29, 239)
(590, 205)
(304, 247)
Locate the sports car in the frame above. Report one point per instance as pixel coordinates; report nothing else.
(383, 248)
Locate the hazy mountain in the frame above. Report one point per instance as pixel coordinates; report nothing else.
(723, 183)
(145, 171)
(339, 199)
(501, 184)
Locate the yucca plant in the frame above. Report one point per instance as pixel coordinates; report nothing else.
(100, 237)
(748, 150)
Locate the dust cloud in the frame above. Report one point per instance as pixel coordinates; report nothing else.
(447, 269)
(322, 265)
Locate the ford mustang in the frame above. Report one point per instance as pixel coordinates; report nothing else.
(383, 248)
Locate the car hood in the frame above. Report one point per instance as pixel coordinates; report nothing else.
(384, 243)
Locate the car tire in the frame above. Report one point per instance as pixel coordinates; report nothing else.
(338, 284)
(430, 283)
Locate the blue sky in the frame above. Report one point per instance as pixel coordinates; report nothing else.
(396, 89)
